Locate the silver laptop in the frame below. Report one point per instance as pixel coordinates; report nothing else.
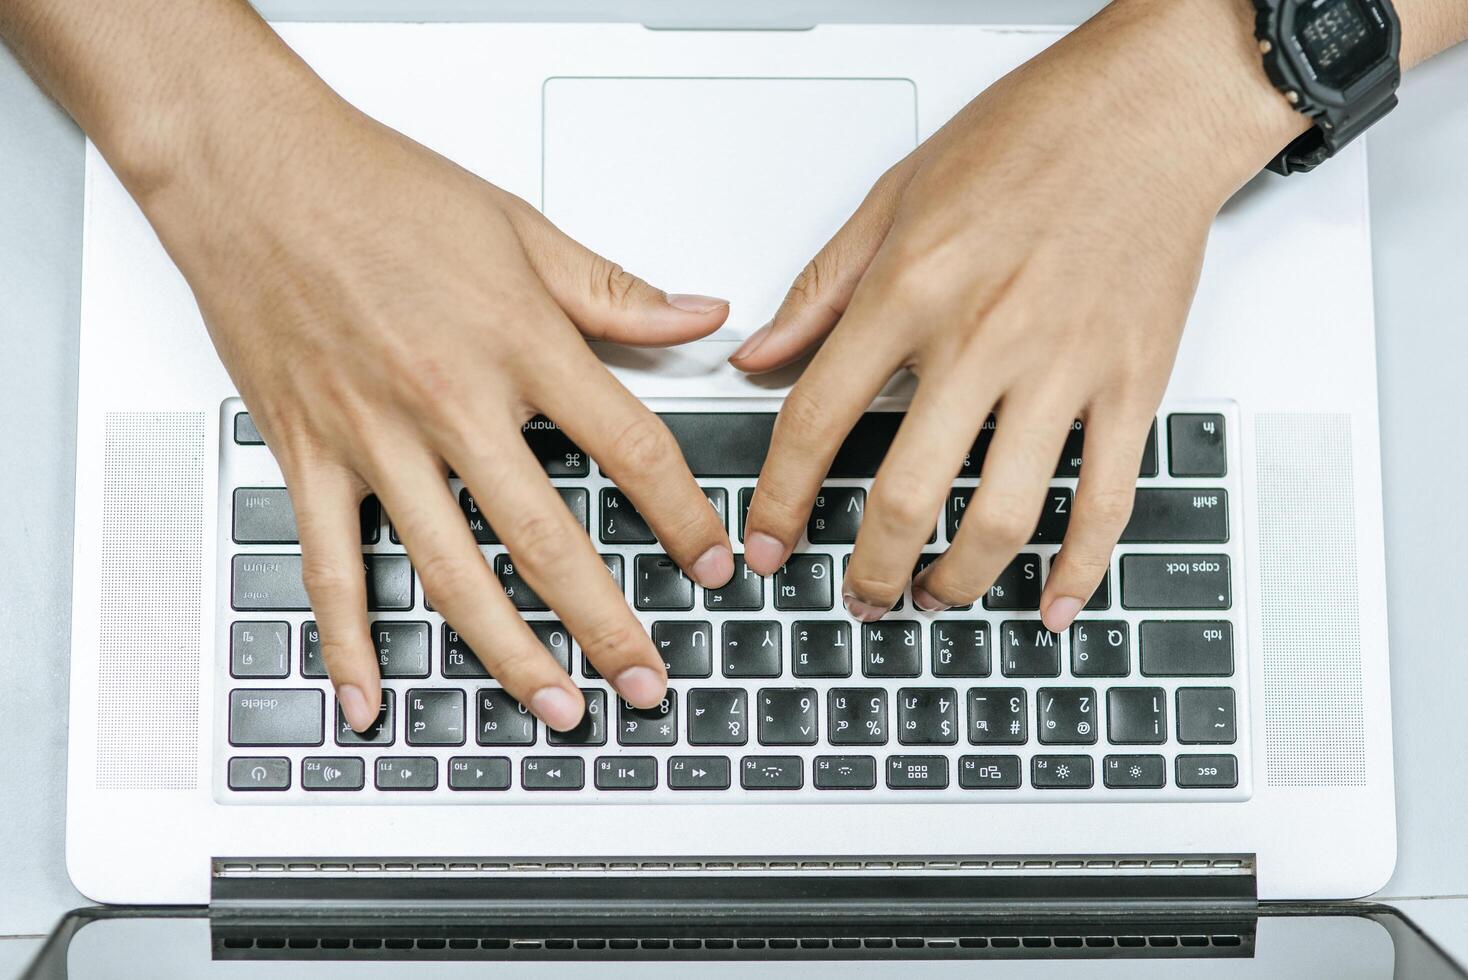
(1216, 723)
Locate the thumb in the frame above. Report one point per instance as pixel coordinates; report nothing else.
(605, 301)
(824, 287)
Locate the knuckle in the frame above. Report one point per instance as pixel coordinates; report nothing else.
(329, 582)
(610, 283)
(614, 642)
(1003, 520)
(445, 578)
(804, 419)
(900, 504)
(807, 284)
(540, 541)
(645, 445)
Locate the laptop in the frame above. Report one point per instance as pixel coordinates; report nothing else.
(1215, 729)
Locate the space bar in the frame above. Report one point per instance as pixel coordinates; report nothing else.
(724, 444)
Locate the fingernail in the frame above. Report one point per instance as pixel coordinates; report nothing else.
(642, 686)
(694, 303)
(764, 553)
(355, 709)
(924, 600)
(752, 343)
(863, 611)
(714, 567)
(1060, 613)
(557, 707)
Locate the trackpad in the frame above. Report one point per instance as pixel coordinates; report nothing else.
(715, 185)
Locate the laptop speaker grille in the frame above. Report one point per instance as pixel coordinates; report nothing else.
(152, 547)
(1308, 600)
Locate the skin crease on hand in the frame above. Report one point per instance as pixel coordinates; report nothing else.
(387, 316)
(1035, 258)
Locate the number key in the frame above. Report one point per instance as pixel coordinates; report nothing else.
(657, 725)
(856, 716)
(927, 716)
(787, 716)
(718, 716)
(1067, 715)
(997, 716)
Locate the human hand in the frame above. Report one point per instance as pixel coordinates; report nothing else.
(1036, 258)
(388, 316)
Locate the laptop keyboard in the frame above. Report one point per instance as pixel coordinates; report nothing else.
(774, 692)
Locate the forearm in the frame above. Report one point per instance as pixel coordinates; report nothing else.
(168, 91)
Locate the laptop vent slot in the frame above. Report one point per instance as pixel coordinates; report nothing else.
(1308, 600)
(152, 546)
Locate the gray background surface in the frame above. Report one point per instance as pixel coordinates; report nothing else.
(1419, 159)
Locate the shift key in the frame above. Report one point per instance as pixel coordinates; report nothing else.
(1175, 582)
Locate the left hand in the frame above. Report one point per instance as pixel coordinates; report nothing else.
(1035, 258)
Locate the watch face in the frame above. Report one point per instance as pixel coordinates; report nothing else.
(1341, 39)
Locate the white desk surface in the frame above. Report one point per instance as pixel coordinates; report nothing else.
(1420, 230)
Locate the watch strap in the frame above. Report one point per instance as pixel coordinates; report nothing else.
(1333, 130)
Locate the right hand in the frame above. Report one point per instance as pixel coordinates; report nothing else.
(387, 316)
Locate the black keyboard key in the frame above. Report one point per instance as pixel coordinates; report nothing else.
(333, 774)
(1134, 771)
(249, 773)
(517, 590)
(1100, 648)
(820, 648)
(856, 716)
(998, 716)
(458, 658)
(787, 716)
(1149, 452)
(973, 461)
(613, 564)
(1072, 453)
(552, 773)
(745, 592)
(772, 772)
(1181, 648)
(383, 729)
(844, 772)
(1196, 445)
(576, 499)
(389, 583)
(746, 495)
(1028, 649)
(927, 716)
(555, 450)
(695, 772)
(718, 716)
(687, 648)
(1067, 715)
(804, 584)
(402, 648)
(407, 773)
(917, 772)
(311, 663)
(961, 648)
(479, 773)
(260, 650)
(660, 585)
(245, 431)
(435, 717)
(266, 716)
(591, 729)
(836, 515)
(1061, 772)
(1175, 581)
(866, 445)
(1054, 516)
(1018, 586)
(989, 772)
(1170, 516)
(263, 515)
(1205, 715)
(892, 648)
(627, 772)
(501, 720)
(718, 499)
(620, 521)
(657, 725)
(1136, 715)
(722, 444)
(752, 648)
(1207, 771)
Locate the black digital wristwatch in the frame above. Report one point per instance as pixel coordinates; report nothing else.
(1336, 61)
